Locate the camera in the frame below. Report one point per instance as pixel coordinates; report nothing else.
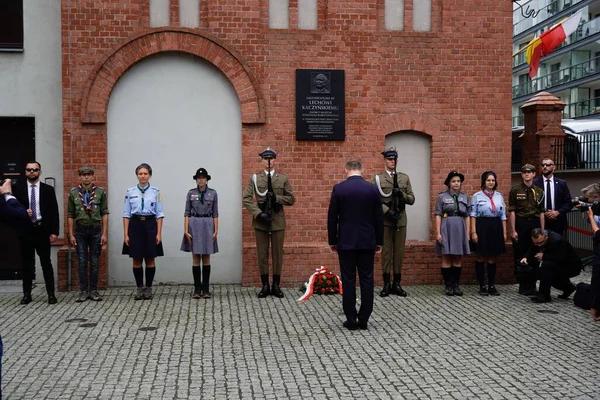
(583, 205)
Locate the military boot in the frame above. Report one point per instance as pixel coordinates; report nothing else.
(266, 290)
(396, 288)
(385, 291)
(275, 290)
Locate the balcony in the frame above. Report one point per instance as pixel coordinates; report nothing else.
(549, 10)
(560, 77)
(582, 108)
(583, 31)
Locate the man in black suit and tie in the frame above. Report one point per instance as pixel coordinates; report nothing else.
(557, 198)
(355, 232)
(42, 208)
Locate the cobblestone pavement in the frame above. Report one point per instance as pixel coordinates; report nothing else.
(425, 346)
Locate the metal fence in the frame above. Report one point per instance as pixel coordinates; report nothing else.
(577, 152)
(579, 233)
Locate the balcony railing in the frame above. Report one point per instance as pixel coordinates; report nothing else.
(575, 109)
(546, 9)
(518, 120)
(588, 29)
(556, 78)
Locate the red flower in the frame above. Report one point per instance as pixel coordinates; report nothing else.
(323, 291)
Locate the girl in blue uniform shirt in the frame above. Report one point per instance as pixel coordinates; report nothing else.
(142, 229)
(488, 231)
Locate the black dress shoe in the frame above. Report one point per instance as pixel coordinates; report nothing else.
(52, 299)
(347, 325)
(540, 298)
(26, 299)
(567, 292)
(276, 291)
(363, 326)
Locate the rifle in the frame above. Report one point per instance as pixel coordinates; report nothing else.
(398, 204)
(270, 196)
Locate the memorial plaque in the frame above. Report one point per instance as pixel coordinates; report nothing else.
(320, 104)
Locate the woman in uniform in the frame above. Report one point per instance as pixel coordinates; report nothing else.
(142, 229)
(452, 228)
(200, 229)
(488, 231)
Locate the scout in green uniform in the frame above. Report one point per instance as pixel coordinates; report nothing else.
(394, 236)
(268, 218)
(87, 220)
(526, 212)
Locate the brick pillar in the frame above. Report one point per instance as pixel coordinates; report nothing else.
(543, 115)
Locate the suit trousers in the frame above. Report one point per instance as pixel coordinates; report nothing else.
(350, 261)
(37, 241)
(553, 275)
(558, 225)
(262, 250)
(392, 253)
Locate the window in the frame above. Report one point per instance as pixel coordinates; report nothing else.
(11, 25)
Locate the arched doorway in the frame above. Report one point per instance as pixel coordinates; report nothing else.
(176, 112)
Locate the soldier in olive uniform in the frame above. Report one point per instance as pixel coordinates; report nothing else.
(87, 220)
(394, 221)
(268, 218)
(526, 212)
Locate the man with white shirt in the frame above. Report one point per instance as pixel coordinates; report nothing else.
(40, 201)
(557, 198)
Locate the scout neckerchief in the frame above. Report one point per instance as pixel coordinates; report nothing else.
(88, 199)
(490, 195)
(455, 198)
(143, 191)
(202, 194)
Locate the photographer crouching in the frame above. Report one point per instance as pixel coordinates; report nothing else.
(13, 214)
(591, 207)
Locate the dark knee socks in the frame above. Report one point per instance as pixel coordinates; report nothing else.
(480, 272)
(205, 276)
(197, 274)
(138, 274)
(491, 274)
(150, 275)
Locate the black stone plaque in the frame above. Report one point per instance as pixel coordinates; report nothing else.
(320, 104)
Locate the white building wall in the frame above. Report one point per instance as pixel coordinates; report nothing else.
(30, 86)
(177, 113)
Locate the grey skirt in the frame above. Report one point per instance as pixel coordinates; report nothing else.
(454, 237)
(201, 229)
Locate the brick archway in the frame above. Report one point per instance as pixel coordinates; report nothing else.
(410, 121)
(111, 68)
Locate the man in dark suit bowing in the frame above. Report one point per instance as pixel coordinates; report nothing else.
(355, 232)
(557, 198)
(40, 201)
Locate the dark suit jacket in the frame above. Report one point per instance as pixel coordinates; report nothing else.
(559, 251)
(355, 216)
(562, 198)
(48, 206)
(13, 214)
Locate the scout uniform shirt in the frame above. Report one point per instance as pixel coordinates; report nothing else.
(87, 206)
(143, 202)
(386, 185)
(201, 204)
(284, 196)
(526, 202)
(445, 205)
(481, 206)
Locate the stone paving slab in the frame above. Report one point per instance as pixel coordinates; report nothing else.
(236, 346)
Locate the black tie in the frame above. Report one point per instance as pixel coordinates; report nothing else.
(548, 195)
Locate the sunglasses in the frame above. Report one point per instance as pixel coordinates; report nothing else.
(32, 169)
(547, 164)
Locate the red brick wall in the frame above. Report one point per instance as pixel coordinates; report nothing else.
(453, 84)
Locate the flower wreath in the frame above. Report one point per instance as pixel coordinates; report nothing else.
(321, 282)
